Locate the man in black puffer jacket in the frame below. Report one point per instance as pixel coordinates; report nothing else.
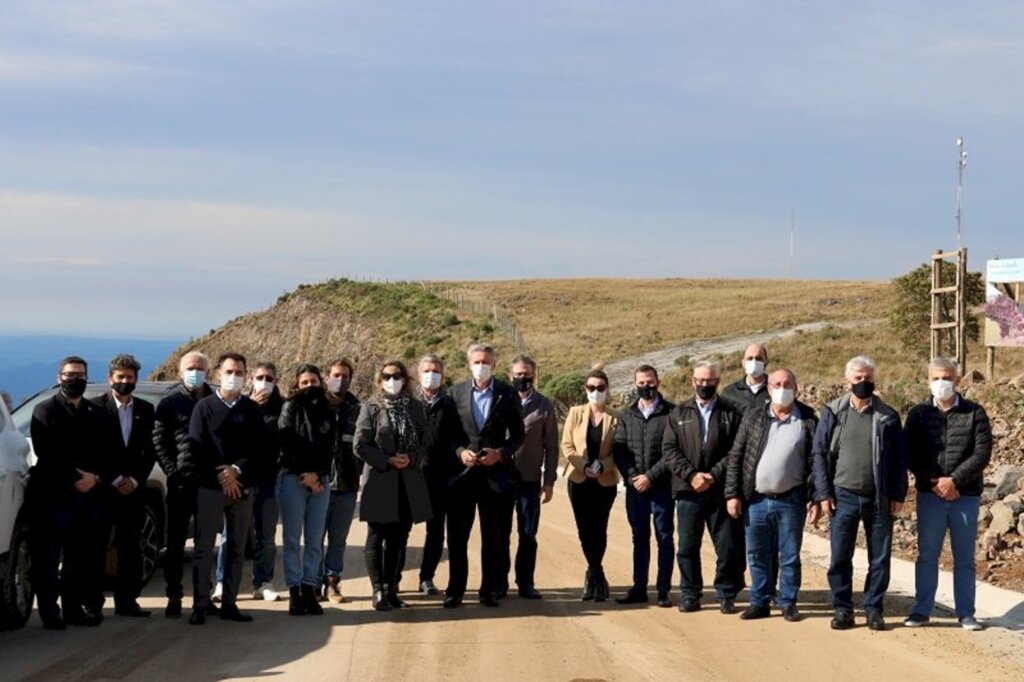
(768, 481)
(949, 443)
(171, 444)
(638, 456)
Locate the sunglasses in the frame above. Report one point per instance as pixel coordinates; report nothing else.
(397, 375)
(598, 387)
(264, 377)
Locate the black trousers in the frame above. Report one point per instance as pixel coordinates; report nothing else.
(215, 513)
(433, 545)
(68, 525)
(465, 498)
(592, 506)
(694, 513)
(181, 510)
(125, 514)
(385, 551)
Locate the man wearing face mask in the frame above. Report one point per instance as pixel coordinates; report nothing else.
(492, 424)
(441, 436)
(752, 388)
(767, 482)
(129, 444)
(860, 475)
(267, 396)
(171, 446)
(696, 445)
(229, 448)
(64, 500)
(638, 455)
(344, 479)
(537, 463)
(949, 441)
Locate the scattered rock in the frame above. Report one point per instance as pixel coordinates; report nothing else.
(1014, 502)
(1006, 480)
(984, 517)
(1003, 519)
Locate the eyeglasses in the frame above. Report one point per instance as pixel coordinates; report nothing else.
(598, 387)
(264, 377)
(387, 377)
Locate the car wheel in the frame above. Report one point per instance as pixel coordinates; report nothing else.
(16, 593)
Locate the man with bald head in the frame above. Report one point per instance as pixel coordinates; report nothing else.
(751, 388)
(767, 483)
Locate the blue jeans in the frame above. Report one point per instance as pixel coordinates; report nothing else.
(264, 545)
(527, 524)
(303, 515)
(775, 532)
(851, 510)
(340, 511)
(934, 516)
(640, 509)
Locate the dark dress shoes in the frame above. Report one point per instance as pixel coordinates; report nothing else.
(753, 612)
(232, 613)
(634, 596)
(428, 587)
(489, 600)
(380, 601)
(876, 622)
(689, 604)
(132, 610)
(198, 616)
(843, 620)
(663, 600)
(451, 602)
(82, 618)
(53, 623)
(727, 606)
(173, 609)
(529, 592)
(791, 613)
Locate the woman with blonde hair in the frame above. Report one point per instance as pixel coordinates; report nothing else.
(587, 440)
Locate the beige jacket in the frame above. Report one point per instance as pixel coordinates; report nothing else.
(574, 446)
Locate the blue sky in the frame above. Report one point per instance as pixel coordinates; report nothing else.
(171, 164)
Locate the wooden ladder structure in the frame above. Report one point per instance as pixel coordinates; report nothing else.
(940, 327)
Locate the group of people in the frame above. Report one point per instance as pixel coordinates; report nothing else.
(750, 464)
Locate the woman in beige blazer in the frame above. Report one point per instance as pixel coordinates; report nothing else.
(587, 445)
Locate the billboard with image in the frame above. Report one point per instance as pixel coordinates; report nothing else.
(1004, 310)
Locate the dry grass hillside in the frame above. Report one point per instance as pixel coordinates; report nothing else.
(366, 322)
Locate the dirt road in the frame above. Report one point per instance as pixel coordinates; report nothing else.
(620, 372)
(560, 638)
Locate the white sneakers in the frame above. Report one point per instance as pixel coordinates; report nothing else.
(218, 593)
(266, 592)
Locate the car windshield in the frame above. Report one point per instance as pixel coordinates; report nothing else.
(150, 391)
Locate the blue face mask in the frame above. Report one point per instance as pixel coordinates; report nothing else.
(194, 378)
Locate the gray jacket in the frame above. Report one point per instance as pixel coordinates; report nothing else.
(539, 452)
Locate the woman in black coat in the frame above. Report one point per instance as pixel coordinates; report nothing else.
(389, 438)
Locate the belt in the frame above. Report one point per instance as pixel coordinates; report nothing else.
(779, 496)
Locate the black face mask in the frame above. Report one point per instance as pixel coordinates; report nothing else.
(864, 389)
(522, 384)
(73, 388)
(707, 392)
(314, 393)
(647, 392)
(123, 388)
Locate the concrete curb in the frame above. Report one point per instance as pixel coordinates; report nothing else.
(995, 605)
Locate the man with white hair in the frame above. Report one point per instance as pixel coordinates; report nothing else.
(171, 443)
(860, 475)
(949, 441)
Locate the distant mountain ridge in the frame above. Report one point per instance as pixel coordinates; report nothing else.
(28, 362)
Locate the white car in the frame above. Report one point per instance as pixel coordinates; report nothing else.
(16, 593)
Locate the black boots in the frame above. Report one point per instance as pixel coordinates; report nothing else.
(391, 595)
(588, 587)
(295, 605)
(600, 587)
(309, 601)
(380, 599)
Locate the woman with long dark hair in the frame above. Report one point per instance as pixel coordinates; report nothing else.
(305, 430)
(390, 439)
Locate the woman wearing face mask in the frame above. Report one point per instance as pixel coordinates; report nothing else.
(390, 440)
(306, 434)
(587, 440)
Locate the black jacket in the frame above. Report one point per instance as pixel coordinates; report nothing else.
(503, 430)
(223, 436)
(271, 414)
(346, 469)
(443, 436)
(957, 443)
(747, 449)
(739, 395)
(170, 433)
(136, 459)
(66, 438)
(684, 450)
(305, 433)
(375, 443)
(638, 443)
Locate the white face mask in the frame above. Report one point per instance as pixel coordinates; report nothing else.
(334, 385)
(783, 397)
(393, 386)
(258, 386)
(231, 383)
(943, 389)
(430, 380)
(481, 371)
(753, 368)
(597, 397)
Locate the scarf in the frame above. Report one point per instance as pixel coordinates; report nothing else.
(406, 437)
